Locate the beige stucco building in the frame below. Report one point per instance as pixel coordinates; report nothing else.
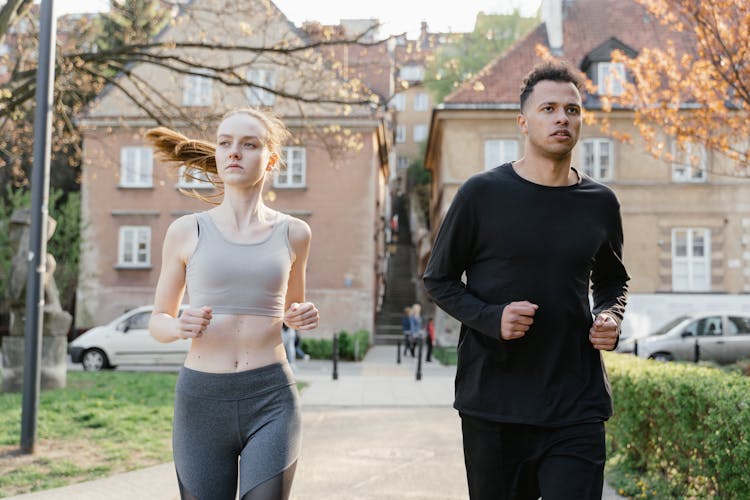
(687, 229)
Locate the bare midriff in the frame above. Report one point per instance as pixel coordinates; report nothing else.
(236, 343)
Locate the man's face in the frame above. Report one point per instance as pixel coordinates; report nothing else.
(551, 118)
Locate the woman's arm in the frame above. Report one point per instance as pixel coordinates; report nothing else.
(299, 314)
(164, 325)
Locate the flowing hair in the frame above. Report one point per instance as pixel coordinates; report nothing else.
(199, 157)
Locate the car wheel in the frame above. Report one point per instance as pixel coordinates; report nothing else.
(661, 356)
(94, 360)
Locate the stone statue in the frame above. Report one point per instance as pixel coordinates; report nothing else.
(56, 322)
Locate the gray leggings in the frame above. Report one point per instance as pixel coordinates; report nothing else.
(219, 417)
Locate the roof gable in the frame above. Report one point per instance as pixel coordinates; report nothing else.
(589, 26)
(603, 52)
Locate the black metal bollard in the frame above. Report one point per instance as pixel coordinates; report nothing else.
(635, 348)
(419, 358)
(335, 357)
(696, 352)
(398, 352)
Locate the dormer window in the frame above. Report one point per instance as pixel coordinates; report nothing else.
(610, 78)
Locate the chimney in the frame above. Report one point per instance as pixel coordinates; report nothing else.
(423, 35)
(552, 16)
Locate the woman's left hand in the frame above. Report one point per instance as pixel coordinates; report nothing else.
(302, 316)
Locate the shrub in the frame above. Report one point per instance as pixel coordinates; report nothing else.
(317, 348)
(352, 347)
(447, 355)
(685, 428)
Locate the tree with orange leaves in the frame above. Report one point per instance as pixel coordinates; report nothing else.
(701, 96)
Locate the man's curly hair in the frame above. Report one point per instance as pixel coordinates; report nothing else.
(555, 71)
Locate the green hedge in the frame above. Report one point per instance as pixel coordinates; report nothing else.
(447, 355)
(323, 348)
(679, 430)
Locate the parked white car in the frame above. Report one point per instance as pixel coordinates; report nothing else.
(126, 341)
(720, 337)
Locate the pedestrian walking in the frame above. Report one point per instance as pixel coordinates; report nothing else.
(416, 327)
(430, 338)
(299, 352)
(237, 413)
(287, 338)
(530, 236)
(406, 330)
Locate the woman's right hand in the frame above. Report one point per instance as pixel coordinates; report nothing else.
(193, 322)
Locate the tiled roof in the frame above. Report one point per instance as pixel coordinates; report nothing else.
(587, 24)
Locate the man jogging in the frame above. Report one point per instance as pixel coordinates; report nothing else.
(530, 236)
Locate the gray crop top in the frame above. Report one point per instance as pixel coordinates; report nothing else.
(239, 278)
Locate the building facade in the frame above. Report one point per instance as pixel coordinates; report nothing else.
(687, 229)
(335, 175)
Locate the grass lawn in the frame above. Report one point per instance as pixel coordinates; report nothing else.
(100, 424)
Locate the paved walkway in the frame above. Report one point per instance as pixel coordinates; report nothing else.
(376, 433)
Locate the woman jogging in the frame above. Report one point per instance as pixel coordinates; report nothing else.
(243, 265)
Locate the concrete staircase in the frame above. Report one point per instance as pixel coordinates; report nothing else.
(400, 291)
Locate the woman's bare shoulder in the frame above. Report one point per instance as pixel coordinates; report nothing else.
(299, 231)
(183, 226)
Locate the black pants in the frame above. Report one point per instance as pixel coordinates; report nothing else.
(409, 345)
(520, 462)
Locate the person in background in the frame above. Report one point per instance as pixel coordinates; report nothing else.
(416, 326)
(237, 412)
(287, 338)
(406, 329)
(430, 338)
(301, 354)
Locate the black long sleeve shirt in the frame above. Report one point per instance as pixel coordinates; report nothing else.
(517, 240)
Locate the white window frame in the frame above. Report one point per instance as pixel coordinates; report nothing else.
(198, 91)
(400, 134)
(136, 167)
(682, 168)
(610, 78)
(412, 73)
(186, 182)
(499, 151)
(421, 102)
(398, 102)
(295, 162)
(696, 276)
(595, 167)
(138, 235)
(257, 96)
(403, 162)
(420, 132)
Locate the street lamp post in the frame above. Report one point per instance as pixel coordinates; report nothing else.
(45, 78)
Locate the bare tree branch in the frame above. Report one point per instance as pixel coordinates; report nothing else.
(12, 10)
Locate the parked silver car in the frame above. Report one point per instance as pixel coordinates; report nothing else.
(126, 340)
(720, 337)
